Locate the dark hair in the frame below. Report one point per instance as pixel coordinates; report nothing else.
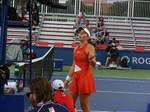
(42, 89)
(99, 25)
(113, 38)
(102, 18)
(117, 41)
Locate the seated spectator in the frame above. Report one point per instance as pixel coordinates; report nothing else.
(25, 48)
(105, 36)
(76, 27)
(14, 51)
(41, 95)
(98, 42)
(118, 46)
(88, 26)
(112, 41)
(35, 14)
(33, 33)
(62, 97)
(113, 54)
(92, 41)
(99, 29)
(101, 20)
(82, 16)
(28, 55)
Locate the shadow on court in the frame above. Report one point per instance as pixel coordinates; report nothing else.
(118, 94)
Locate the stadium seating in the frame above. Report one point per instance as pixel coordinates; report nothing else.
(74, 44)
(139, 48)
(103, 46)
(43, 43)
(58, 44)
(8, 40)
(61, 30)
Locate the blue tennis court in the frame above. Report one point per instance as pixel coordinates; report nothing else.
(118, 94)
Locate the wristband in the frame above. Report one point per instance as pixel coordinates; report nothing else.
(68, 78)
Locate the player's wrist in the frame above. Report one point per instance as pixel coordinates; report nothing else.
(68, 78)
(91, 60)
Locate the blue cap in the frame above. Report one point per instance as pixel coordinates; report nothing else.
(113, 44)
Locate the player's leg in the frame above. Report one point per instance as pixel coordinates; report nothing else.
(85, 102)
(74, 96)
(117, 61)
(107, 61)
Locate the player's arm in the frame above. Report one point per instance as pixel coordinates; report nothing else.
(90, 50)
(71, 72)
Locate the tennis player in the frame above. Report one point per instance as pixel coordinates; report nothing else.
(80, 73)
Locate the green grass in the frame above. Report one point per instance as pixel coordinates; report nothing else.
(131, 73)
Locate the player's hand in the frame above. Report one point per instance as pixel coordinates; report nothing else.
(66, 84)
(1, 71)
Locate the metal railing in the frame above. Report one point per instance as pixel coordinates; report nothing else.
(133, 8)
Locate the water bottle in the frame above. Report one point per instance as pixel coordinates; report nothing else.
(16, 73)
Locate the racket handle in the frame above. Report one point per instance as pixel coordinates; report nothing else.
(69, 83)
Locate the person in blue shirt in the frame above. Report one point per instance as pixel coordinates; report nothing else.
(41, 95)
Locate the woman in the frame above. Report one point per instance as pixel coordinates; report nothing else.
(101, 20)
(35, 14)
(88, 26)
(83, 82)
(82, 16)
(99, 29)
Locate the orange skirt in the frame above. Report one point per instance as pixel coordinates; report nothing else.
(83, 82)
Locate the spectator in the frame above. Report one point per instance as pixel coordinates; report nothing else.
(82, 16)
(14, 51)
(33, 55)
(99, 29)
(112, 41)
(76, 27)
(105, 36)
(118, 45)
(88, 26)
(35, 14)
(62, 97)
(92, 41)
(101, 20)
(22, 9)
(41, 95)
(113, 54)
(25, 48)
(33, 33)
(98, 42)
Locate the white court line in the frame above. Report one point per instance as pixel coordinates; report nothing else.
(95, 111)
(121, 80)
(121, 92)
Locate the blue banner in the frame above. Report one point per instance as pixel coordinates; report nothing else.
(136, 59)
(58, 65)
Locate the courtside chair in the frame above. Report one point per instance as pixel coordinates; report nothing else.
(43, 43)
(74, 44)
(139, 48)
(9, 40)
(103, 46)
(58, 44)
